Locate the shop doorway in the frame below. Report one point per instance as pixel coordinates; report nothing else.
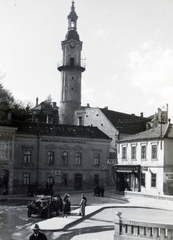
(4, 175)
(78, 181)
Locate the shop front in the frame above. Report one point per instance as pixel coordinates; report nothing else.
(128, 177)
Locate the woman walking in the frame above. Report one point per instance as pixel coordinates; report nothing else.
(82, 206)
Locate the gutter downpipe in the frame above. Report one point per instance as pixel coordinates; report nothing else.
(38, 157)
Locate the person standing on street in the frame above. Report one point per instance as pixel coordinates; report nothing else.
(37, 235)
(82, 205)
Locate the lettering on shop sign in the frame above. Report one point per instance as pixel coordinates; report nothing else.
(88, 112)
(63, 141)
(111, 161)
(168, 176)
(145, 168)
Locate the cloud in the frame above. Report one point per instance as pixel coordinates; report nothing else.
(113, 78)
(152, 71)
(103, 33)
(88, 93)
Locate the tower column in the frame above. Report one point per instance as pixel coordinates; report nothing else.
(71, 69)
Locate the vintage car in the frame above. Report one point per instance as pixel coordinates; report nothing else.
(45, 206)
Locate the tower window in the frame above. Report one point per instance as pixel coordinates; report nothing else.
(71, 61)
(72, 25)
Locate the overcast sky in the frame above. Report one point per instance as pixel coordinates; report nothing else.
(127, 47)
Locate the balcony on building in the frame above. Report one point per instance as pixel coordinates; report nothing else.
(69, 66)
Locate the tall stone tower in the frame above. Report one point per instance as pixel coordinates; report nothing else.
(71, 69)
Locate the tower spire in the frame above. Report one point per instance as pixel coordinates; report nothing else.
(72, 19)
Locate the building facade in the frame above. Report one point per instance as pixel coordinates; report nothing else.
(70, 157)
(7, 139)
(145, 161)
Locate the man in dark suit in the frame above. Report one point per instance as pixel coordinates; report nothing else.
(37, 235)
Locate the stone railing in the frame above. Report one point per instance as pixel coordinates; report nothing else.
(126, 229)
(149, 195)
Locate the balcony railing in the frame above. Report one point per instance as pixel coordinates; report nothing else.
(61, 65)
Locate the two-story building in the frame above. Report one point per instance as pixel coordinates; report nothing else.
(145, 161)
(71, 157)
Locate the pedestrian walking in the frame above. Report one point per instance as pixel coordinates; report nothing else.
(102, 190)
(82, 205)
(66, 204)
(37, 235)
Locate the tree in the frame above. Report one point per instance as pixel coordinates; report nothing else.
(17, 108)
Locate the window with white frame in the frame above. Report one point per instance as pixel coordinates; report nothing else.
(50, 180)
(50, 157)
(143, 152)
(27, 156)
(154, 151)
(4, 150)
(124, 153)
(26, 178)
(133, 152)
(65, 158)
(78, 158)
(153, 179)
(96, 160)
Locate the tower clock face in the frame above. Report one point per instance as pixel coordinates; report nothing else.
(72, 44)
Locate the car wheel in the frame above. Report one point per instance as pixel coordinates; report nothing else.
(29, 213)
(48, 213)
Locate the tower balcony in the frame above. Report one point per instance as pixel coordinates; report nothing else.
(64, 66)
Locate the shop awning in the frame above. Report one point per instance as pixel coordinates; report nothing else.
(127, 168)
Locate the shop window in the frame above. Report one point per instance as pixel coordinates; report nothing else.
(124, 153)
(143, 152)
(96, 159)
(143, 179)
(78, 159)
(26, 178)
(153, 179)
(154, 151)
(50, 157)
(65, 158)
(27, 156)
(133, 152)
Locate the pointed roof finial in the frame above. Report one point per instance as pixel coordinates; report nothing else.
(72, 7)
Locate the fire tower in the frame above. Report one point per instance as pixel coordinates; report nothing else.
(71, 69)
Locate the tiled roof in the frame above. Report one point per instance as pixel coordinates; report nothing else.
(154, 133)
(125, 123)
(60, 130)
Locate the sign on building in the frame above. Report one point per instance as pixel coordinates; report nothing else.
(168, 177)
(111, 161)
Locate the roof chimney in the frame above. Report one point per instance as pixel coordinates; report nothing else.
(88, 105)
(37, 101)
(106, 107)
(141, 114)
